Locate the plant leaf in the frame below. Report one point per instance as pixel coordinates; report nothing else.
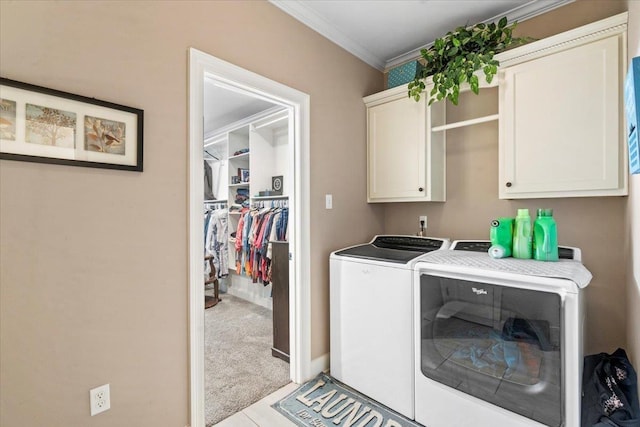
(473, 81)
(454, 58)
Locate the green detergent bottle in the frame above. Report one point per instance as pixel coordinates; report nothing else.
(545, 236)
(522, 234)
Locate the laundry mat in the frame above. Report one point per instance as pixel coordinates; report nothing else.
(326, 402)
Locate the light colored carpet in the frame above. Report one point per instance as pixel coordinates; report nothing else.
(239, 368)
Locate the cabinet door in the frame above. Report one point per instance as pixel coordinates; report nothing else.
(396, 150)
(561, 125)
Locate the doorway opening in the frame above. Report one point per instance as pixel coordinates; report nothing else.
(295, 105)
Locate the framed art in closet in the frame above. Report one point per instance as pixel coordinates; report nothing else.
(243, 174)
(43, 125)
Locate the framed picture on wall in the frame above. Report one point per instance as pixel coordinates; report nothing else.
(44, 125)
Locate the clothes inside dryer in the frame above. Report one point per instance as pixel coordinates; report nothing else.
(496, 343)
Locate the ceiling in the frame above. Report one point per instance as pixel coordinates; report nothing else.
(385, 33)
(224, 105)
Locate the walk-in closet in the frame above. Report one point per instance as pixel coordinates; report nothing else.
(246, 254)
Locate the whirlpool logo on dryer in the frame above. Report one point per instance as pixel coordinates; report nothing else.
(479, 291)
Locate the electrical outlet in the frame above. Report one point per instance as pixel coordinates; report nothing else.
(421, 219)
(100, 399)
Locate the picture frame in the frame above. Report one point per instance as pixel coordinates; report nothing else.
(277, 185)
(43, 125)
(244, 174)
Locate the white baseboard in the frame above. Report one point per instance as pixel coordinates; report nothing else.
(319, 364)
(243, 287)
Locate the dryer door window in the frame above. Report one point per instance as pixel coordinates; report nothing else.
(496, 343)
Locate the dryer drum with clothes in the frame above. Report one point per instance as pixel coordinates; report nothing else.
(499, 339)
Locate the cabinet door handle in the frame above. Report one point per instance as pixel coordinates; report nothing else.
(509, 184)
(420, 189)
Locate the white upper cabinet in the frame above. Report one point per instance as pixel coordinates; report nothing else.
(561, 124)
(561, 119)
(404, 162)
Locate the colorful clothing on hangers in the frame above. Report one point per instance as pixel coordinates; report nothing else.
(256, 229)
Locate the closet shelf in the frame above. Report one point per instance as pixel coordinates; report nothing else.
(465, 123)
(239, 156)
(269, 197)
(240, 184)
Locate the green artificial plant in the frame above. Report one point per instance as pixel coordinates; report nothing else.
(454, 58)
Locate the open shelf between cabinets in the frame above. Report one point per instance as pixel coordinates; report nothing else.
(465, 123)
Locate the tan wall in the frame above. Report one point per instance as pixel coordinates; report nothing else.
(597, 225)
(93, 267)
(633, 276)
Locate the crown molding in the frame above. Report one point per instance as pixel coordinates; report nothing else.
(527, 11)
(304, 14)
(299, 10)
(616, 24)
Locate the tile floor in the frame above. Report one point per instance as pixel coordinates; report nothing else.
(261, 414)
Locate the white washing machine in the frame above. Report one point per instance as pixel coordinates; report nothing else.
(371, 314)
(498, 342)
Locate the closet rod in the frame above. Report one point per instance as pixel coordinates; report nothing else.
(274, 203)
(211, 155)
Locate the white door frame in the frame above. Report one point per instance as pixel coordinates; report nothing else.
(203, 65)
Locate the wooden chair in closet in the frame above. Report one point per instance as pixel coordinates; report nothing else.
(208, 300)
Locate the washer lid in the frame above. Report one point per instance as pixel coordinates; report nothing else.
(398, 249)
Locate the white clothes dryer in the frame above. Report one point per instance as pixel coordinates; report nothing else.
(371, 315)
(499, 342)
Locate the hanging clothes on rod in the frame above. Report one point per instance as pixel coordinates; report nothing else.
(215, 236)
(257, 227)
